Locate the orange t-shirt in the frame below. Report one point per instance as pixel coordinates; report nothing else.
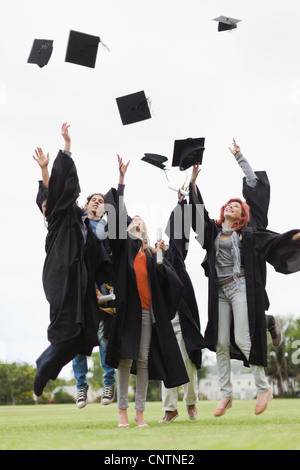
(141, 274)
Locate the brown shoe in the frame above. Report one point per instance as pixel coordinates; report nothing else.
(169, 416)
(191, 411)
(223, 406)
(263, 401)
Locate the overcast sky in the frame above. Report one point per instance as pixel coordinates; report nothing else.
(202, 83)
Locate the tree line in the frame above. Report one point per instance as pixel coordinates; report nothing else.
(283, 371)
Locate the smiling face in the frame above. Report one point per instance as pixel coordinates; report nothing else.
(233, 211)
(96, 205)
(235, 214)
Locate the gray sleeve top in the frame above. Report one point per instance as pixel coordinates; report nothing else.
(251, 177)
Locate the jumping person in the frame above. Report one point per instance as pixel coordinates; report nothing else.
(75, 262)
(235, 265)
(95, 210)
(186, 323)
(256, 191)
(142, 340)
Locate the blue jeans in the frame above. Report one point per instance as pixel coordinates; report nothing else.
(109, 372)
(80, 367)
(233, 303)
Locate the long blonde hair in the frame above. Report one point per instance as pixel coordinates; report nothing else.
(146, 241)
(144, 236)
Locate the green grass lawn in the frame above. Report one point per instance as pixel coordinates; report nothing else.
(64, 427)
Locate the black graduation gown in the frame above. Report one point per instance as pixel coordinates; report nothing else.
(259, 246)
(73, 264)
(178, 230)
(258, 199)
(165, 361)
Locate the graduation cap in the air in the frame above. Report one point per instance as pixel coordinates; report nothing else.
(226, 23)
(82, 49)
(188, 152)
(40, 52)
(133, 108)
(155, 159)
(158, 161)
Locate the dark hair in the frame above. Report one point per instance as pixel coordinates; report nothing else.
(92, 195)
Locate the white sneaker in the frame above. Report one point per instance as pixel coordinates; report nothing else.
(81, 399)
(108, 395)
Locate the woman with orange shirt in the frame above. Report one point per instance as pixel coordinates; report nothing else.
(142, 340)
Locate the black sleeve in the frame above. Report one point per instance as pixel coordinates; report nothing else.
(64, 187)
(178, 230)
(280, 250)
(117, 217)
(202, 224)
(258, 198)
(170, 285)
(42, 194)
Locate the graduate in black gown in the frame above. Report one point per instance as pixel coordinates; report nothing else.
(251, 249)
(147, 298)
(75, 263)
(256, 191)
(187, 321)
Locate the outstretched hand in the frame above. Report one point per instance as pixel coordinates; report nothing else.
(40, 158)
(236, 149)
(195, 172)
(66, 135)
(122, 169)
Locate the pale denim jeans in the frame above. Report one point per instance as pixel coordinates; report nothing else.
(190, 392)
(233, 302)
(142, 375)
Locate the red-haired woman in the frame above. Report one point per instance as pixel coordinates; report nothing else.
(235, 264)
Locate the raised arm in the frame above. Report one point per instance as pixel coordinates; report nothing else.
(202, 225)
(194, 176)
(66, 136)
(178, 230)
(122, 169)
(121, 186)
(43, 162)
(64, 186)
(256, 190)
(116, 210)
(251, 177)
